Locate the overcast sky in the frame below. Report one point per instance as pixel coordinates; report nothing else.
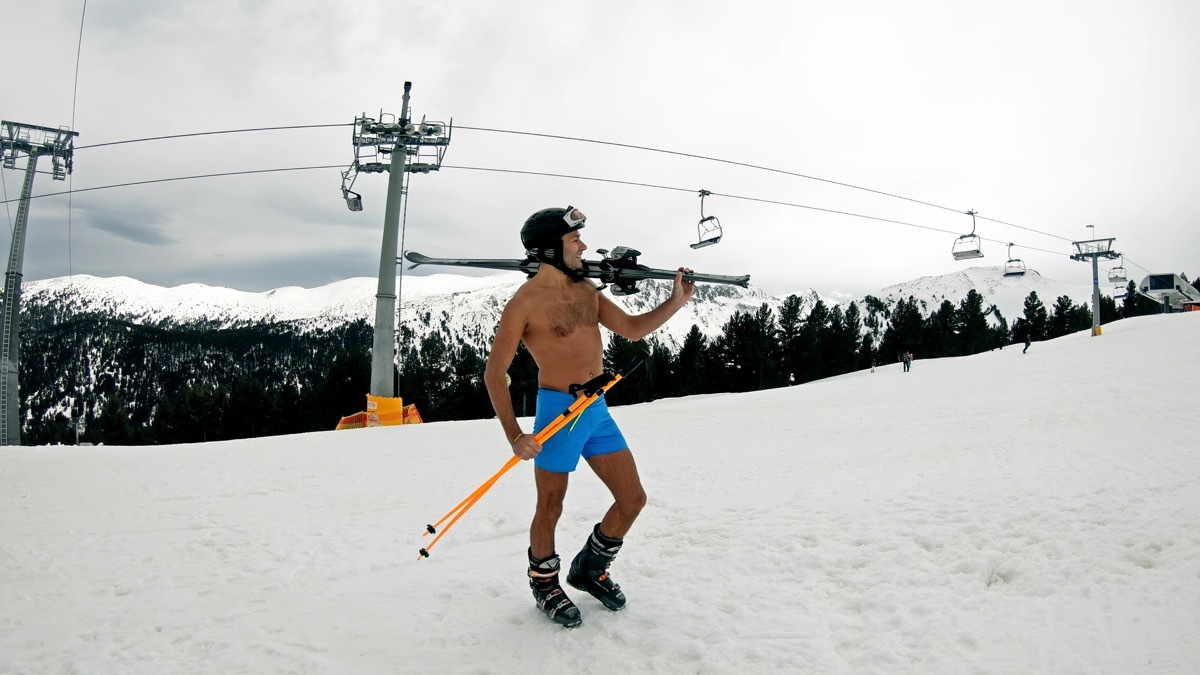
(1047, 116)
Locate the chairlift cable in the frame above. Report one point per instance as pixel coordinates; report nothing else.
(710, 159)
(611, 143)
(71, 175)
(753, 166)
(538, 173)
(179, 178)
(213, 133)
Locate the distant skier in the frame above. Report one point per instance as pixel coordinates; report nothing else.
(1027, 341)
(907, 359)
(557, 313)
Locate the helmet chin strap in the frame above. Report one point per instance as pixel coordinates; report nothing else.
(554, 258)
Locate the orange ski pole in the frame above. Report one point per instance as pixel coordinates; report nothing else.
(569, 414)
(594, 390)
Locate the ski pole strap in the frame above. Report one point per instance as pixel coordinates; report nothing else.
(591, 386)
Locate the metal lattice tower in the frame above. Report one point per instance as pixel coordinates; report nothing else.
(410, 147)
(32, 142)
(1094, 249)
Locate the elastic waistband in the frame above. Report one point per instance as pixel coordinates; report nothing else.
(543, 392)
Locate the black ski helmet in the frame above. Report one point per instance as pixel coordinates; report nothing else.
(543, 231)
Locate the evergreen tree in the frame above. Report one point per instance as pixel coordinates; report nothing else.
(906, 332)
(1037, 321)
(635, 388)
(840, 343)
(852, 338)
(114, 426)
(345, 389)
(747, 351)
(974, 333)
(1108, 309)
(663, 371)
(436, 377)
(690, 374)
(867, 354)
(809, 352)
(790, 330)
(467, 398)
(1136, 304)
(1000, 333)
(1068, 318)
(249, 409)
(765, 340)
(942, 332)
(196, 417)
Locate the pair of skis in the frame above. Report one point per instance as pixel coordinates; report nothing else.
(618, 268)
(591, 392)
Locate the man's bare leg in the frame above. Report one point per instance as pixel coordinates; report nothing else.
(619, 473)
(589, 569)
(551, 490)
(544, 563)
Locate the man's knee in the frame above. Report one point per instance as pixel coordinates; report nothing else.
(632, 502)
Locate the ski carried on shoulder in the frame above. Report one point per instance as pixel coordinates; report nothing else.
(619, 268)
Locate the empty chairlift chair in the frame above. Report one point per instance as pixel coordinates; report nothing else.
(1117, 274)
(1015, 267)
(708, 230)
(967, 246)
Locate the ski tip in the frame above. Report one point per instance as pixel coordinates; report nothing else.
(429, 529)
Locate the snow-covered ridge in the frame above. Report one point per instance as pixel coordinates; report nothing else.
(1006, 293)
(467, 308)
(345, 300)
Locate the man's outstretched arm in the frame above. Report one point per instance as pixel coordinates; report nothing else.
(634, 327)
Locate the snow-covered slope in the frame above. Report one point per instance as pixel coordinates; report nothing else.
(998, 513)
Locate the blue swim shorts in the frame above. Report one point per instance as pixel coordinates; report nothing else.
(593, 432)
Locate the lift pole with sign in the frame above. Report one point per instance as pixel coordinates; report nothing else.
(1094, 249)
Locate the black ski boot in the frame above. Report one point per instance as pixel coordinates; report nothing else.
(589, 570)
(543, 579)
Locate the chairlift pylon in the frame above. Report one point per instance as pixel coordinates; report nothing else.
(967, 246)
(708, 230)
(1015, 267)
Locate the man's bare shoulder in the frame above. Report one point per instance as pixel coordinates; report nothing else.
(527, 296)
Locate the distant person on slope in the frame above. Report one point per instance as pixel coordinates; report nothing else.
(557, 314)
(1027, 341)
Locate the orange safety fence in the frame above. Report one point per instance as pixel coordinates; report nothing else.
(382, 411)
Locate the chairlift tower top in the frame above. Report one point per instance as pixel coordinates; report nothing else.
(37, 141)
(1092, 249)
(33, 142)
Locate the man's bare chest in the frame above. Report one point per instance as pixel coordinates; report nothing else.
(563, 316)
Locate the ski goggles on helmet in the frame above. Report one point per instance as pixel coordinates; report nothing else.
(574, 218)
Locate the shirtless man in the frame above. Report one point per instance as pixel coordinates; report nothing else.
(558, 313)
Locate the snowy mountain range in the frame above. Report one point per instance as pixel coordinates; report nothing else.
(467, 308)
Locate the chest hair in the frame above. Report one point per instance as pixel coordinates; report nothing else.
(579, 309)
